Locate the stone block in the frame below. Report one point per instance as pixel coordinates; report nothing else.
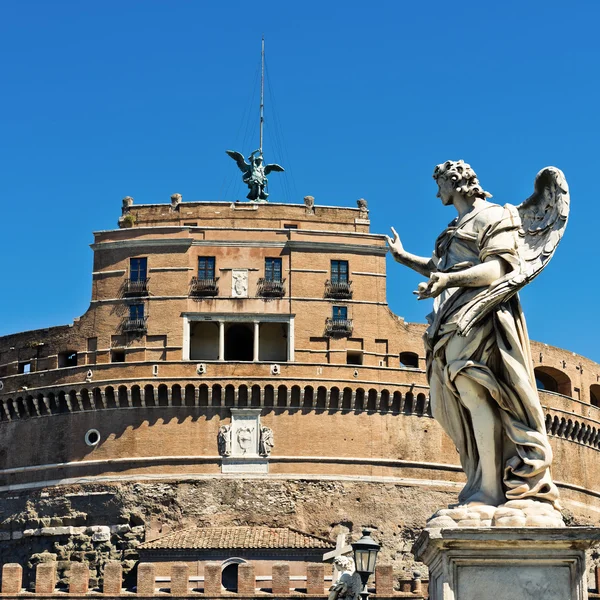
(505, 563)
(212, 579)
(246, 580)
(45, 578)
(315, 579)
(146, 579)
(79, 578)
(113, 578)
(280, 579)
(17, 535)
(180, 579)
(384, 580)
(4, 536)
(12, 578)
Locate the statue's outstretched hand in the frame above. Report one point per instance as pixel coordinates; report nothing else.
(395, 244)
(437, 283)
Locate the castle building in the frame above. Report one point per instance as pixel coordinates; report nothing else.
(239, 366)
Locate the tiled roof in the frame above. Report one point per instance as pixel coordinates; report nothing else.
(212, 538)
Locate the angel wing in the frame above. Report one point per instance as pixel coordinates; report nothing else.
(544, 217)
(239, 159)
(273, 167)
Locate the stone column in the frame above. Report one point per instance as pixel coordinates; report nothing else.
(12, 578)
(79, 578)
(113, 578)
(221, 340)
(384, 580)
(315, 577)
(45, 578)
(280, 579)
(212, 579)
(180, 579)
(505, 563)
(256, 341)
(146, 579)
(246, 580)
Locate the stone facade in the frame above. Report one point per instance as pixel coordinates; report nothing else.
(110, 425)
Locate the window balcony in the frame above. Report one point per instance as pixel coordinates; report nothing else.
(134, 325)
(136, 287)
(338, 289)
(338, 327)
(273, 288)
(204, 287)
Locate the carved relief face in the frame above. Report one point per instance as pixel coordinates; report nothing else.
(244, 437)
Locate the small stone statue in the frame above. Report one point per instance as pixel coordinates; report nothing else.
(255, 174)
(265, 444)
(309, 205)
(479, 367)
(363, 208)
(224, 440)
(348, 585)
(175, 201)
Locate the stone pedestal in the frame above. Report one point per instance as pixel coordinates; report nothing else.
(506, 563)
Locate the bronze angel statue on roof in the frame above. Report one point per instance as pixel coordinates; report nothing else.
(255, 174)
(479, 366)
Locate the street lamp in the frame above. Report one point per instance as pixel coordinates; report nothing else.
(365, 555)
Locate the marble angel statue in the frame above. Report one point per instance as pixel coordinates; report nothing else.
(479, 367)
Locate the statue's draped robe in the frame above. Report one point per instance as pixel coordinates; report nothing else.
(495, 354)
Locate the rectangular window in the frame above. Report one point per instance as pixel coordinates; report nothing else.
(25, 367)
(340, 313)
(339, 271)
(273, 269)
(290, 226)
(117, 356)
(206, 267)
(138, 269)
(136, 311)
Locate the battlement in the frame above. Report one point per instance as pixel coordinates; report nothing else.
(314, 584)
(233, 215)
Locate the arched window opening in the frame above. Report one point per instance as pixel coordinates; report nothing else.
(239, 342)
(409, 360)
(552, 380)
(595, 395)
(229, 574)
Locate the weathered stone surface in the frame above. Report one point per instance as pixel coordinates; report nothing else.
(79, 578)
(246, 579)
(146, 579)
(281, 579)
(384, 580)
(212, 579)
(180, 574)
(315, 575)
(12, 578)
(45, 578)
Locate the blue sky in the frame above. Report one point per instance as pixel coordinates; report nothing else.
(106, 99)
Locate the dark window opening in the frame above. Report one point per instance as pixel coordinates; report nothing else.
(194, 224)
(117, 356)
(550, 379)
(273, 269)
(206, 267)
(229, 577)
(25, 367)
(354, 358)
(409, 359)
(67, 359)
(595, 395)
(339, 271)
(340, 313)
(138, 269)
(136, 312)
(239, 342)
(290, 226)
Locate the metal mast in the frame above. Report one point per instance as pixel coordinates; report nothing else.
(262, 93)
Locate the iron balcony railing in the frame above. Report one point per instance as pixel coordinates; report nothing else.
(136, 287)
(204, 287)
(339, 327)
(338, 289)
(271, 288)
(135, 325)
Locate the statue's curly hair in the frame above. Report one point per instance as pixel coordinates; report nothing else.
(463, 178)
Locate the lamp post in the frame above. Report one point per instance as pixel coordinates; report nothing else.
(365, 555)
